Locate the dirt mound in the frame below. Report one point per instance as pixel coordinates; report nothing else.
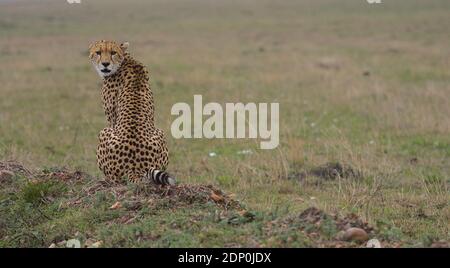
(131, 193)
(8, 169)
(316, 216)
(62, 174)
(189, 193)
(140, 193)
(14, 167)
(328, 171)
(331, 171)
(328, 230)
(329, 64)
(134, 197)
(11, 168)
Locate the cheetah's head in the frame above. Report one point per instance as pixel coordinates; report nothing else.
(107, 56)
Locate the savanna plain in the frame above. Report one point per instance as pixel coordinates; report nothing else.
(364, 95)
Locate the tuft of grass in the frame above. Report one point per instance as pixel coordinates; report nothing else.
(39, 192)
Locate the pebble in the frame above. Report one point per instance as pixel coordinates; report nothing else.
(73, 243)
(97, 244)
(440, 244)
(116, 205)
(355, 234)
(373, 243)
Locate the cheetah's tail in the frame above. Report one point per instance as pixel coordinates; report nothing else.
(159, 177)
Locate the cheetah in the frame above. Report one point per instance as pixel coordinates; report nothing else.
(130, 146)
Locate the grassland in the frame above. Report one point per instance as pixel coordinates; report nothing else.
(364, 86)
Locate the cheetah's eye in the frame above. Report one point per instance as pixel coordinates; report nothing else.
(98, 52)
(113, 53)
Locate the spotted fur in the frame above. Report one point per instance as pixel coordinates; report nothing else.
(131, 146)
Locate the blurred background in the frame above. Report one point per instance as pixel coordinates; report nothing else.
(362, 85)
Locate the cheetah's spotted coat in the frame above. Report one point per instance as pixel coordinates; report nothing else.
(131, 146)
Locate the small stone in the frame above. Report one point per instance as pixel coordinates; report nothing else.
(356, 234)
(73, 243)
(53, 245)
(116, 205)
(88, 243)
(373, 243)
(247, 151)
(216, 197)
(96, 244)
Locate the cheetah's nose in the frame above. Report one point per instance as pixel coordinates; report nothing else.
(106, 64)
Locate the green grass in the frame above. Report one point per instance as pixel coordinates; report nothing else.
(362, 85)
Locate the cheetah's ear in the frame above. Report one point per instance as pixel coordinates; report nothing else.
(90, 54)
(124, 46)
(93, 43)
